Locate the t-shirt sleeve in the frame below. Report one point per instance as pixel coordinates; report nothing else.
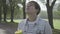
(48, 29)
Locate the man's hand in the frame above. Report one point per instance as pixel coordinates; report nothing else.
(18, 32)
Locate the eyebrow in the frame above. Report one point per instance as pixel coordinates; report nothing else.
(31, 4)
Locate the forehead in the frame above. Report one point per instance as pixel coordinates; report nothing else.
(30, 4)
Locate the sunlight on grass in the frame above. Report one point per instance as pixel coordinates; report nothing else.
(56, 23)
(15, 20)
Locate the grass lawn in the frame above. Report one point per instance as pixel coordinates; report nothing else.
(56, 23)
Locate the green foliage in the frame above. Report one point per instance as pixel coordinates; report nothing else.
(44, 15)
(18, 12)
(58, 10)
(56, 14)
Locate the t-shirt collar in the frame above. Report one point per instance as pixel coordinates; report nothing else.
(37, 19)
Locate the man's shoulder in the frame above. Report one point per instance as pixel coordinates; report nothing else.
(43, 21)
(22, 22)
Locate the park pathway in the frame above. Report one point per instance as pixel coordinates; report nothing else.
(8, 28)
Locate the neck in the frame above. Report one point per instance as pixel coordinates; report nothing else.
(32, 18)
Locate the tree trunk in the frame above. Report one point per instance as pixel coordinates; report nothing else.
(12, 13)
(12, 10)
(24, 14)
(4, 9)
(50, 13)
(0, 12)
(1, 5)
(50, 17)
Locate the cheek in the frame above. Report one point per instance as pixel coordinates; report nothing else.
(28, 10)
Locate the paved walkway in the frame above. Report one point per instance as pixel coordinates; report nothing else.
(6, 28)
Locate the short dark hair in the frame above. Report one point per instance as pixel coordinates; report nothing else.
(37, 6)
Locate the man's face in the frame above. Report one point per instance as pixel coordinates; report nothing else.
(30, 9)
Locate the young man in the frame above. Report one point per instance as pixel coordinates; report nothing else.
(33, 24)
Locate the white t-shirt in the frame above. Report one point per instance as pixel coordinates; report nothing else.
(39, 26)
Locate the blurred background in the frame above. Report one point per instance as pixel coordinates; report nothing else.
(13, 11)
